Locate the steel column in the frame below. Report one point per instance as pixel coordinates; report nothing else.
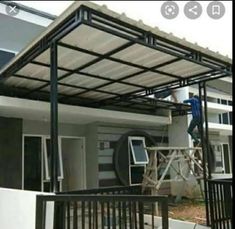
(208, 157)
(206, 130)
(200, 86)
(54, 118)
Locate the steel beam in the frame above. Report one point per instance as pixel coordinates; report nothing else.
(64, 85)
(154, 41)
(57, 33)
(158, 48)
(206, 129)
(109, 57)
(79, 69)
(166, 86)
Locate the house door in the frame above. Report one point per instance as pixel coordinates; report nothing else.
(73, 157)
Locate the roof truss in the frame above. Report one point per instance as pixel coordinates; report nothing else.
(106, 62)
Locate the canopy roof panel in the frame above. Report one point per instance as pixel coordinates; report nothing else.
(106, 59)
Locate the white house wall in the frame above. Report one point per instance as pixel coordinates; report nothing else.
(18, 209)
(43, 128)
(88, 131)
(109, 135)
(92, 156)
(37, 110)
(212, 93)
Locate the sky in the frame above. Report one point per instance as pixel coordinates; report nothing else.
(205, 31)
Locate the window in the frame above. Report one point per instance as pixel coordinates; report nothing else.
(138, 159)
(47, 161)
(224, 102)
(139, 153)
(222, 154)
(231, 118)
(219, 158)
(225, 118)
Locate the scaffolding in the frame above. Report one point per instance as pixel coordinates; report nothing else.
(184, 161)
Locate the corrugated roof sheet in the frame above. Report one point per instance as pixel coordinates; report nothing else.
(99, 64)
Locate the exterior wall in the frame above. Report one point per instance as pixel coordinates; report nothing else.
(43, 128)
(87, 131)
(18, 209)
(219, 103)
(10, 152)
(92, 156)
(213, 118)
(178, 136)
(108, 135)
(177, 132)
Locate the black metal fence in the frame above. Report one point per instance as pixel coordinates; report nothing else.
(130, 190)
(101, 208)
(220, 200)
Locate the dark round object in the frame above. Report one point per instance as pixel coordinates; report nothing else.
(120, 158)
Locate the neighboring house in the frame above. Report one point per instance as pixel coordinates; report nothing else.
(20, 30)
(219, 97)
(88, 137)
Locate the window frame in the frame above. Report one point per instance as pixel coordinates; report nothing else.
(45, 155)
(133, 153)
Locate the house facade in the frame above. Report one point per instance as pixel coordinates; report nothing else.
(93, 143)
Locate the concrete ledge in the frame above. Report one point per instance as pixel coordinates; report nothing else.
(173, 223)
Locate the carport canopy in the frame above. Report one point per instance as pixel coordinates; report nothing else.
(106, 60)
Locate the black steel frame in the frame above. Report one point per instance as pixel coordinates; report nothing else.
(221, 203)
(204, 143)
(209, 184)
(134, 35)
(54, 185)
(124, 210)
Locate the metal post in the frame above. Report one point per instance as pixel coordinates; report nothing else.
(206, 130)
(54, 119)
(40, 219)
(208, 154)
(165, 220)
(204, 159)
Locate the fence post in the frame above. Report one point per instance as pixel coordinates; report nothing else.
(221, 203)
(141, 215)
(59, 215)
(39, 216)
(165, 220)
(212, 201)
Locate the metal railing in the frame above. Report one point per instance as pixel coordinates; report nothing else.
(101, 209)
(134, 189)
(220, 201)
